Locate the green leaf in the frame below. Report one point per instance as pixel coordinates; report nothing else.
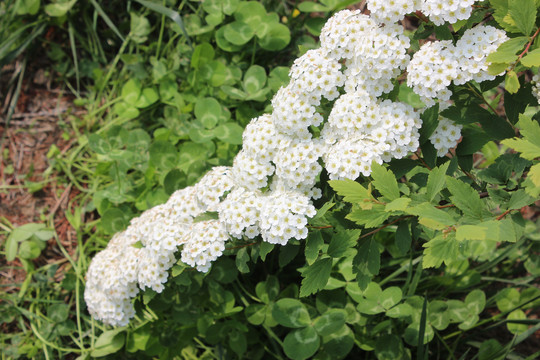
(532, 58)
(389, 347)
(436, 180)
(399, 204)
(276, 38)
(314, 244)
(147, 98)
(506, 52)
(301, 344)
(403, 237)
(330, 322)
(527, 149)
(465, 198)
(254, 79)
(202, 54)
(230, 133)
(438, 315)
(251, 13)
(430, 121)
(58, 9)
(516, 328)
(290, 313)
(238, 33)
(529, 129)
(432, 217)
(113, 221)
(163, 155)
(255, 313)
(439, 250)
(523, 12)
(385, 181)
(511, 84)
(476, 301)
(109, 342)
(367, 262)
(131, 91)
(343, 241)
(369, 218)
(139, 28)
(315, 277)
(30, 7)
(308, 6)
(208, 111)
(58, 313)
(351, 191)
(29, 250)
(242, 259)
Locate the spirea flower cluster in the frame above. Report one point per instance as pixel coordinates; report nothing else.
(268, 191)
(536, 87)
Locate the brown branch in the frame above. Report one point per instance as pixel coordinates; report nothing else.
(385, 225)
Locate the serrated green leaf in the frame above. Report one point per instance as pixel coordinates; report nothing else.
(315, 277)
(351, 191)
(465, 198)
(534, 174)
(507, 51)
(529, 129)
(439, 250)
(527, 149)
(385, 181)
(471, 232)
(436, 180)
(432, 217)
(403, 237)
(314, 244)
(343, 241)
(430, 121)
(367, 262)
(369, 218)
(523, 12)
(532, 58)
(399, 204)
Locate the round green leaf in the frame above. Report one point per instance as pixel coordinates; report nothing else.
(200, 135)
(224, 271)
(278, 77)
(126, 111)
(457, 311)
(216, 73)
(254, 79)
(230, 133)
(370, 307)
(238, 33)
(401, 310)
(330, 322)
(138, 141)
(173, 181)
(339, 343)
(59, 8)
(99, 144)
(58, 313)
(516, 328)
(167, 89)
(131, 91)
(389, 347)
(301, 343)
(238, 342)
(202, 54)
(291, 313)
(223, 43)
(251, 13)
(412, 332)
(29, 250)
(163, 155)
(277, 38)
(476, 301)
(255, 313)
(113, 221)
(208, 111)
(309, 6)
(438, 315)
(147, 98)
(390, 297)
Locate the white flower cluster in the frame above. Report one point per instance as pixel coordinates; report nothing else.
(438, 11)
(437, 64)
(269, 189)
(445, 136)
(536, 87)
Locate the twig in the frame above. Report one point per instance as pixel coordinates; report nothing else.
(60, 201)
(385, 225)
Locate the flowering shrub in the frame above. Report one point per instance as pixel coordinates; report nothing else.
(345, 112)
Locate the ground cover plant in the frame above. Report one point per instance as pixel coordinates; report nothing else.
(381, 205)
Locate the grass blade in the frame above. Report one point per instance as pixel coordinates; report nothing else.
(107, 20)
(171, 14)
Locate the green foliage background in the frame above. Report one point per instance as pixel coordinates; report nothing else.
(426, 258)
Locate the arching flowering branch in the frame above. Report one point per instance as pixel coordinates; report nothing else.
(269, 189)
